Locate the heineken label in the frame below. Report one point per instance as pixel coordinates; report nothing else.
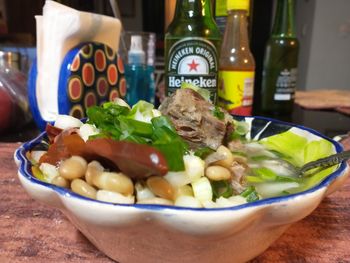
(192, 60)
(285, 85)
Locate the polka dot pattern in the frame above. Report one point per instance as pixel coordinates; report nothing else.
(88, 74)
(113, 94)
(75, 88)
(77, 111)
(120, 65)
(122, 87)
(76, 64)
(87, 50)
(109, 53)
(102, 87)
(90, 99)
(100, 60)
(112, 74)
(96, 75)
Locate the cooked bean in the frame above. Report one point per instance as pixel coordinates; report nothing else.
(81, 187)
(217, 173)
(227, 154)
(112, 181)
(94, 168)
(60, 181)
(73, 167)
(161, 187)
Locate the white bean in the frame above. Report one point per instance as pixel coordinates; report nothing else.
(217, 173)
(73, 167)
(227, 154)
(94, 168)
(81, 187)
(160, 187)
(116, 182)
(60, 181)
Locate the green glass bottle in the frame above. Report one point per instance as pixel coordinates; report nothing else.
(280, 63)
(192, 44)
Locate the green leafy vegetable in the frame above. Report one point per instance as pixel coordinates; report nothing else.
(250, 194)
(298, 149)
(169, 142)
(265, 174)
(142, 111)
(203, 152)
(221, 188)
(241, 128)
(290, 144)
(218, 113)
(139, 125)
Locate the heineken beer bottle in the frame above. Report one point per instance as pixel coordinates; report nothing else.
(192, 42)
(280, 63)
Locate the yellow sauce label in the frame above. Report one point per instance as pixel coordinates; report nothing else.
(236, 90)
(220, 8)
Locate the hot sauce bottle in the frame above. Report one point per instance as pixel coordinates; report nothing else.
(237, 64)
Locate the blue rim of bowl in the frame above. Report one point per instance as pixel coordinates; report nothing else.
(24, 169)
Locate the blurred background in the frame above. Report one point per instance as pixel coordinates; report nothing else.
(323, 29)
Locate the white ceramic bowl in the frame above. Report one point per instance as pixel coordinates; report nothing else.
(152, 233)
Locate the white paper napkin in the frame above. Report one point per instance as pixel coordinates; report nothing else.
(59, 29)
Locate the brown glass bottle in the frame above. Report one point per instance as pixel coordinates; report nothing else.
(280, 63)
(237, 64)
(192, 43)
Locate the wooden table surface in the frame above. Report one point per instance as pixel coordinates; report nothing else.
(32, 232)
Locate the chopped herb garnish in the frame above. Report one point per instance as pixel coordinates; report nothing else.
(203, 152)
(265, 174)
(138, 125)
(221, 188)
(218, 113)
(250, 194)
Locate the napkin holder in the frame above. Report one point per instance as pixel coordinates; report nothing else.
(91, 73)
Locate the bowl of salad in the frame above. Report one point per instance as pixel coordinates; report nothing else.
(186, 182)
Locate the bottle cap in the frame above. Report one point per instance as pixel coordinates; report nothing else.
(136, 54)
(238, 5)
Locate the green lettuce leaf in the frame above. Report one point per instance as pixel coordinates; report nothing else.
(142, 111)
(289, 144)
(299, 150)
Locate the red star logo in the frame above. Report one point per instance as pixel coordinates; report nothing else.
(193, 65)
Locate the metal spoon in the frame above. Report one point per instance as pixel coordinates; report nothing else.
(324, 162)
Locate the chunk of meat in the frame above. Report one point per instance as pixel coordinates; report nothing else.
(194, 119)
